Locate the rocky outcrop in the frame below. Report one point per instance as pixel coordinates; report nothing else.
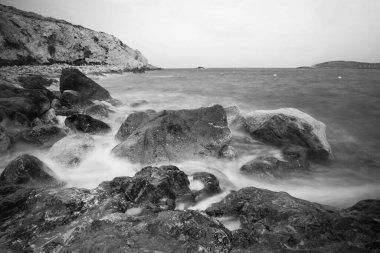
(289, 126)
(28, 38)
(347, 65)
(281, 222)
(86, 124)
(27, 169)
(173, 135)
(291, 162)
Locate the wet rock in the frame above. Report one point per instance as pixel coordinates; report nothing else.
(235, 118)
(72, 97)
(98, 111)
(291, 162)
(43, 135)
(27, 169)
(86, 88)
(132, 122)
(71, 149)
(175, 135)
(138, 103)
(210, 183)
(5, 140)
(66, 112)
(289, 126)
(228, 152)
(49, 117)
(281, 222)
(86, 124)
(34, 81)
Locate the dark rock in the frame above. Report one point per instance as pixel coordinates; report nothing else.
(86, 124)
(66, 112)
(293, 161)
(368, 207)
(129, 125)
(27, 169)
(281, 221)
(210, 182)
(289, 126)
(44, 135)
(174, 135)
(13, 120)
(98, 110)
(34, 82)
(5, 140)
(87, 89)
(72, 97)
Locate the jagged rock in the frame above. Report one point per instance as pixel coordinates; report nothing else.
(289, 126)
(98, 110)
(49, 117)
(174, 135)
(86, 124)
(293, 160)
(59, 42)
(86, 89)
(210, 183)
(5, 140)
(44, 135)
(27, 169)
(281, 222)
(71, 149)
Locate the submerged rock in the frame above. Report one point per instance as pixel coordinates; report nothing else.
(86, 124)
(293, 160)
(27, 169)
(71, 149)
(86, 89)
(282, 222)
(289, 126)
(173, 135)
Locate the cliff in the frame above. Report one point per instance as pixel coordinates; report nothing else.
(347, 65)
(28, 38)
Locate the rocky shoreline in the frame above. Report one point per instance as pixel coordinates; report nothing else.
(151, 211)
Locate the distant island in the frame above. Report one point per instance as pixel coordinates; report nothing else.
(200, 67)
(344, 65)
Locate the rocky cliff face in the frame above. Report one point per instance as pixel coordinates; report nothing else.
(28, 38)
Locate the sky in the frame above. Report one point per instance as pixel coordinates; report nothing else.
(229, 33)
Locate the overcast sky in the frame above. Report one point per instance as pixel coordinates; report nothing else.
(229, 33)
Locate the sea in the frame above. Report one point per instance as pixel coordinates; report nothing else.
(346, 100)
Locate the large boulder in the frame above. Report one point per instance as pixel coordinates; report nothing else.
(71, 149)
(173, 135)
(282, 222)
(86, 124)
(292, 161)
(289, 126)
(87, 89)
(27, 169)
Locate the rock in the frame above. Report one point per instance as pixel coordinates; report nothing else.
(174, 135)
(282, 222)
(293, 160)
(152, 188)
(228, 152)
(71, 149)
(43, 135)
(59, 42)
(368, 207)
(72, 97)
(13, 121)
(34, 82)
(138, 103)
(132, 122)
(49, 117)
(289, 126)
(210, 182)
(74, 80)
(98, 110)
(27, 169)
(5, 140)
(86, 124)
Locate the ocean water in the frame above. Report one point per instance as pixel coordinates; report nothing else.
(347, 101)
